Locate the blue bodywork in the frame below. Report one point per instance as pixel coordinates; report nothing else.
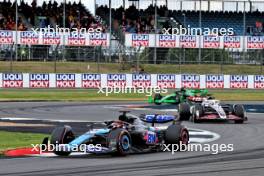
(152, 118)
(85, 137)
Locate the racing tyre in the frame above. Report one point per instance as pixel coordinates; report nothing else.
(62, 135)
(240, 112)
(156, 98)
(121, 140)
(177, 134)
(197, 113)
(184, 111)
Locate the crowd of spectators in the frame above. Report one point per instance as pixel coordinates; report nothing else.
(8, 17)
(47, 13)
(129, 20)
(133, 20)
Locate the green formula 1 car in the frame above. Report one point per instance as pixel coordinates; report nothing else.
(178, 96)
(184, 98)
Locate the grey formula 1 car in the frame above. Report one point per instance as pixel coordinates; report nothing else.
(211, 109)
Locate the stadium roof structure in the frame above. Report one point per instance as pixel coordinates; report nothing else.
(206, 5)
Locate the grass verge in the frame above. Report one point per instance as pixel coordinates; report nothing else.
(91, 67)
(12, 140)
(92, 95)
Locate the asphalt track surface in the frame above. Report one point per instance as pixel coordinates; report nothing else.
(246, 159)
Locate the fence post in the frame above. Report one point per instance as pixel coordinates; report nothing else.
(11, 59)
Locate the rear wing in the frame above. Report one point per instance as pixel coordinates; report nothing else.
(197, 92)
(157, 118)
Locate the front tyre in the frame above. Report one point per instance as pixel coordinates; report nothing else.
(184, 111)
(197, 113)
(121, 140)
(62, 135)
(239, 111)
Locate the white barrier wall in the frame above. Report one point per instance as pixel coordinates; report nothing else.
(193, 41)
(132, 40)
(72, 39)
(68, 80)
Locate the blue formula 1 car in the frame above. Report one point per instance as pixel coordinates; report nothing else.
(121, 137)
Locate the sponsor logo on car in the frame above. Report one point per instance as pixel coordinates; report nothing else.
(12, 80)
(190, 81)
(39, 80)
(91, 80)
(259, 81)
(214, 81)
(116, 80)
(140, 40)
(238, 81)
(65, 80)
(166, 81)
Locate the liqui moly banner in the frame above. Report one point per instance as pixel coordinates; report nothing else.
(6, 37)
(259, 81)
(166, 81)
(255, 42)
(141, 80)
(188, 41)
(140, 40)
(75, 39)
(94, 81)
(91, 80)
(29, 38)
(239, 81)
(39, 80)
(167, 41)
(51, 39)
(65, 80)
(214, 81)
(12, 80)
(98, 39)
(190, 81)
(211, 42)
(116, 80)
(232, 42)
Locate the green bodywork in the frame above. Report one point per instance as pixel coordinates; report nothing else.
(179, 96)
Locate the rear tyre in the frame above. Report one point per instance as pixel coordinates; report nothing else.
(122, 141)
(157, 97)
(240, 112)
(177, 134)
(184, 111)
(62, 135)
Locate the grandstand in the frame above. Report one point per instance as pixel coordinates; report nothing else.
(136, 17)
